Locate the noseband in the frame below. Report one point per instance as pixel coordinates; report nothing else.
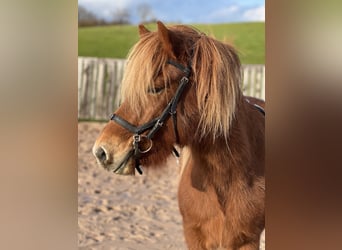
(154, 125)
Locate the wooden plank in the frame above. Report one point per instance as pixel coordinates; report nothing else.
(247, 88)
(111, 89)
(263, 84)
(99, 91)
(254, 83)
(86, 68)
(252, 89)
(102, 102)
(92, 94)
(120, 70)
(258, 82)
(79, 84)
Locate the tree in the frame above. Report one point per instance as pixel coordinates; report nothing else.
(121, 16)
(145, 13)
(86, 17)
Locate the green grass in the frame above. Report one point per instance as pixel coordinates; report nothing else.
(115, 41)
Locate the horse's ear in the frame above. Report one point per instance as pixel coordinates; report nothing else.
(165, 37)
(143, 30)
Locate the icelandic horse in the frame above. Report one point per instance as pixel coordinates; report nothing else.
(181, 87)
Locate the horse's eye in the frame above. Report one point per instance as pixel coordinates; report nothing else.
(155, 90)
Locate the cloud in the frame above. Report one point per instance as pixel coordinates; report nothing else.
(255, 14)
(103, 3)
(104, 8)
(225, 11)
(223, 14)
(237, 13)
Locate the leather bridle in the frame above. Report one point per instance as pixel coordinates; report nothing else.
(154, 125)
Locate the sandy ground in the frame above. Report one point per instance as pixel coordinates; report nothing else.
(125, 212)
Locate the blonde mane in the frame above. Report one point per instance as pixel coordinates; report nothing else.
(216, 76)
(217, 73)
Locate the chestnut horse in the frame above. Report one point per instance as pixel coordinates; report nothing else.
(181, 87)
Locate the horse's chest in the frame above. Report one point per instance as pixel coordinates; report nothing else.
(203, 219)
(198, 204)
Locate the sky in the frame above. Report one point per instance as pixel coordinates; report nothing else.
(183, 11)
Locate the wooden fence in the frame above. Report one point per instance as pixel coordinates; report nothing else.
(99, 81)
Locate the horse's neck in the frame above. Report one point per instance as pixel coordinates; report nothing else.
(219, 164)
(229, 159)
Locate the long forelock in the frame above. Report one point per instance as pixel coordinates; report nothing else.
(145, 61)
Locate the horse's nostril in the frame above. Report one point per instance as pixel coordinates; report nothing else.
(101, 155)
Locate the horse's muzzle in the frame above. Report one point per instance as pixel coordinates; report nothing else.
(123, 166)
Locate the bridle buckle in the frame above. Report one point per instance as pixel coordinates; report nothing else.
(184, 79)
(140, 138)
(136, 138)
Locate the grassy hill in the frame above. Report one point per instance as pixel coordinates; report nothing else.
(115, 41)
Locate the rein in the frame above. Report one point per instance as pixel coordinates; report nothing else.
(155, 124)
(259, 108)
